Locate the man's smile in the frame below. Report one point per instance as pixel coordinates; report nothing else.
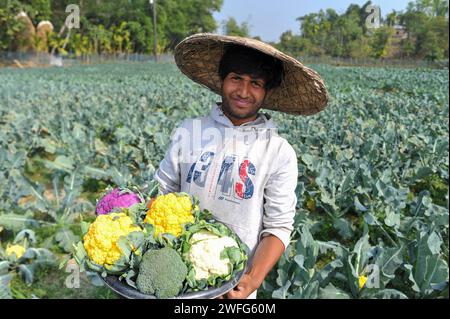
(241, 103)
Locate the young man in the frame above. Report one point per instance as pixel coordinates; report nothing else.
(233, 160)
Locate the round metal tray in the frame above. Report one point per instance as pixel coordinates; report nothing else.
(126, 291)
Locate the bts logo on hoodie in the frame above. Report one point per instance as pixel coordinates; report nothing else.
(233, 180)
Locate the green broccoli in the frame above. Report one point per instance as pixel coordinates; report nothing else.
(161, 273)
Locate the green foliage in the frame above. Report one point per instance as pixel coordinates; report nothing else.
(25, 264)
(346, 35)
(371, 161)
(373, 168)
(50, 283)
(231, 27)
(380, 41)
(9, 26)
(112, 26)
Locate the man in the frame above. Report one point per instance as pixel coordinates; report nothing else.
(233, 160)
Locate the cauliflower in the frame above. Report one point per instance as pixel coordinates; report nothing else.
(100, 242)
(213, 253)
(116, 199)
(18, 250)
(362, 281)
(205, 254)
(168, 213)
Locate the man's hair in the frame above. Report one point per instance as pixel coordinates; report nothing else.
(244, 60)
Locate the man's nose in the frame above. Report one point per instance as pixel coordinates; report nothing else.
(243, 90)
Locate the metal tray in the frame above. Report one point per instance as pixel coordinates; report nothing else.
(126, 291)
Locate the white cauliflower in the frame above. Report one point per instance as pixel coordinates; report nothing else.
(205, 254)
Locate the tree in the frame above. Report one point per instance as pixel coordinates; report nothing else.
(392, 18)
(9, 26)
(174, 22)
(231, 27)
(380, 41)
(347, 35)
(360, 48)
(426, 22)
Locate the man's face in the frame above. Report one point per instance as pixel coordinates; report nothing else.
(242, 97)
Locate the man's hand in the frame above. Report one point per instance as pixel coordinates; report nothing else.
(266, 256)
(246, 286)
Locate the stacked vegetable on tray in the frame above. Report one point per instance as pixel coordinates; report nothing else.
(163, 246)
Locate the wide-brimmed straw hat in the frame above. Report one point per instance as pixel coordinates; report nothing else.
(302, 90)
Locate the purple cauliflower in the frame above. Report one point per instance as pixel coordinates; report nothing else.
(114, 200)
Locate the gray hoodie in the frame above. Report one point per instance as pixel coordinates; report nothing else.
(245, 175)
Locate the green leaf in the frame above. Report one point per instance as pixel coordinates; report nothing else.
(343, 227)
(5, 292)
(428, 271)
(96, 173)
(361, 249)
(311, 291)
(80, 255)
(124, 245)
(93, 266)
(436, 274)
(129, 278)
(66, 239)
(282, 292)
(422, 173)
(282, 277)
(232, 253)
(95, 279)
(25, 233)
(16, 222)
(331, 292)
(370, 219)
(434, 242)
(4, 266)
(358, 205)
(62, 163)
(390, 294)
(392, 218)
(84, 227)
(26, 272)
(326, 273)
(388, 262)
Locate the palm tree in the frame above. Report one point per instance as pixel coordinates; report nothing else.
(392, 18)
(440, 8)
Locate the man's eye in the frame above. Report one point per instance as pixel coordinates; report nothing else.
(257, 84)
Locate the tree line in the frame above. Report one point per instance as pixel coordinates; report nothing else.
(126, 26)
(419, 32)
(122, 26)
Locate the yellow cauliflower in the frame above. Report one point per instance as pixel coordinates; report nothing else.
(15, 249)
(100, 242)
(362, 281)
(169, 212)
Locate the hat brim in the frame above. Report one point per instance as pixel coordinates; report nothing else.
(302, 90)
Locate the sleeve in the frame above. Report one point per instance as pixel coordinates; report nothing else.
(168, 174)
(280, 198)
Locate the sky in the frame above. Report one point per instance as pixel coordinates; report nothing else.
(269, 19)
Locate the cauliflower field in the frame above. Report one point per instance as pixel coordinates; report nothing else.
(372, 214)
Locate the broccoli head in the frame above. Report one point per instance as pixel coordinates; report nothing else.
(161, 273)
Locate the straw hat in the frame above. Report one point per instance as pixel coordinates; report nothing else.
(302, 91)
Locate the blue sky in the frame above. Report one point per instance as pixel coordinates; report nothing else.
(269, 19)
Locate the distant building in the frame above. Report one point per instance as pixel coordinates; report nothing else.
(400, 32)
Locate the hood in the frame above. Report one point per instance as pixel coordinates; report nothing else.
(263, 121)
